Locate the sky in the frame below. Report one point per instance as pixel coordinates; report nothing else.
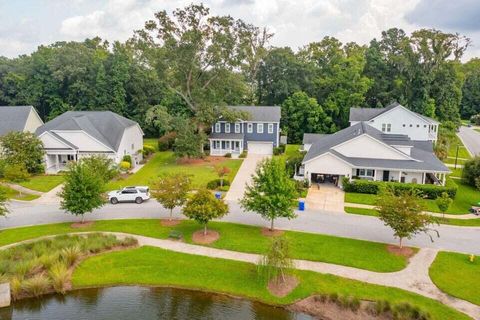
(26, 24)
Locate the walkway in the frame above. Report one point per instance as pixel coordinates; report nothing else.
(325, 196)
(243, 177)
(471, 140)
(414, 277)
(21, 189)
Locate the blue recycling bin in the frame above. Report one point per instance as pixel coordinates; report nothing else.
(301, 205)
(218, 195)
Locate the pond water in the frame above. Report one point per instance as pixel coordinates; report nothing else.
(143, 303)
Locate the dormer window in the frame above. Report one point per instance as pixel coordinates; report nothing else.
(250, 127)
(386, 127)
(227, 127)
(217, 127)
(237, 127)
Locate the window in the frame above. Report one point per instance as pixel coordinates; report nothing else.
(259, 127)
(424, 125)
(411, 125)
(227, 144)
(386, 127)
(217, 127)
(270, 128)
(250, 127)
(389, 127)
(404, 125)
(237, 127)
(418, 126)
(227, 127)
(365, 172)
(70, 157)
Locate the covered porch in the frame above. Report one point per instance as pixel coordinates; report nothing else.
(221, 144)
(57, 160)
(403, 176)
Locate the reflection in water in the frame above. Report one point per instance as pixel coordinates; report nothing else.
(120, 303)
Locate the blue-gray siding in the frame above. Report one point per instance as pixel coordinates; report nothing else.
(254, 136)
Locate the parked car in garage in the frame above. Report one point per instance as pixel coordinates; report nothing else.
(136, 194)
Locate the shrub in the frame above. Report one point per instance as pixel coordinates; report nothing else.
(243, 154)
(475, 119)
(125, 166)
(127, 158)
(277, 151)
(228, 155)
(16, 172)
(3, 164)
(406, 311)
(471, 172)
(37, 285)
(214, 184)
(71, 254)
(59, 274)
(15, 287)
(148, 150)
(166, 141)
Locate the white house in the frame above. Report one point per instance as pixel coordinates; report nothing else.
(19, 118)
(77, 134)
(363, 152)
(396, 119)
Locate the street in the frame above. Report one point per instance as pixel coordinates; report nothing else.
(471, 139)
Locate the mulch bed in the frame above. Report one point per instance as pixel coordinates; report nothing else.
(406, 252)
(210, 237)
(272, 233)
(280, 288)
(205, 160)
(169, 223)
(80, 225)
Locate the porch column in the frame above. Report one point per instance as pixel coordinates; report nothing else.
(57, 162)
(211, 146)
(443, 179)
(399, 176)
(374, 175)
(423, 177)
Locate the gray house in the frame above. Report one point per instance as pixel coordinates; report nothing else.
(259, 134)
(18, 118)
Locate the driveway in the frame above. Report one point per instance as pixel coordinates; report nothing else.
(471, 139)
(325, 196)
(244, 176)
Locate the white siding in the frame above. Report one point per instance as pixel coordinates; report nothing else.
(33, 122)
(50, 142)
(132, 136)
(327, 164)
(83, 141)
(367, 147)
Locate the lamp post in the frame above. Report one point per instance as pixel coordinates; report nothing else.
(456, 157)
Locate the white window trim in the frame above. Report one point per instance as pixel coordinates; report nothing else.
(217, 127)
(227, 127)
(237, 127)
(270, 128)
(250, 127)
(259, 127)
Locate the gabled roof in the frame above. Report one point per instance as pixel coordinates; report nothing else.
(260, 113)
(105, 126)
(13, 118)
(310, 138)
(423, 157)
(367, 114)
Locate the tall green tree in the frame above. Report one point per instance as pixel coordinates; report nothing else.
(3, 202)
(23, 148)
(470, 104)
(188, 142)
(271, 193)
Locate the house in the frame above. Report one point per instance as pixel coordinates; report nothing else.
(397, 119)
(77, 134)
(364, 152)
(258, 134)
(309, 139)
(19, 118)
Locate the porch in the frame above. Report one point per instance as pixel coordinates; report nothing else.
(403, 176)
(220, 147)
(55, 162)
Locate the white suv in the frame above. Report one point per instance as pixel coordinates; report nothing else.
(129, 194)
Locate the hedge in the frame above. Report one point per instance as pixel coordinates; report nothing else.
(428, 191)
(214, 184)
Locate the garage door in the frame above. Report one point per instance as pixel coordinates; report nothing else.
(260, 148)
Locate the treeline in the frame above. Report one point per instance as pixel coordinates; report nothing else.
(190, 62)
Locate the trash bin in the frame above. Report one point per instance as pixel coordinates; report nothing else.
(218, 195)
(301, 205)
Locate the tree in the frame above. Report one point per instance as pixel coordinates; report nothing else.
(222, 171)
(16, 172)
(271, 193)
(3, 202)
(159, 119)
(276, 261)
(171, 191)
(471, 172)
(188, 142)
(103, 166)
(403, 213)
(203, 207)
(471, 89)
(23, 148)
(443, 203)
(82, 190)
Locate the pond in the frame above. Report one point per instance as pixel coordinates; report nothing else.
(118, 303)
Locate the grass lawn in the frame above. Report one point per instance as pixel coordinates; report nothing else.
(452, 161)
(462, 151)
(478, 130)
(349, 252)
(163, 163)
(153, 142)
(454, 274)
(14, 194)
(154, 266)
(474, 222)
(42, 183)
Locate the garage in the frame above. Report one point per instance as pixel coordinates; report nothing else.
(260, 147)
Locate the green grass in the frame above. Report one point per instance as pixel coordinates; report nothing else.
(478, 130)
(14, 194)
(153, 142)
(454, 274)
(456, 172)
(308, 246)
(154, 266)
(474, 222)
(462, 151)
(42, 183)
(452, 161)
(163, 163)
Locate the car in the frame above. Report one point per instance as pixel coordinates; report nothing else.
(136, 194)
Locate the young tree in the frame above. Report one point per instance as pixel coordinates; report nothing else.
(171, 191)
(3, 202)
(276, 261)
(272, 192)
(203, 207)
(188, 143)
(23, 148)
(444, 202)
(103, 166)
(222, 171)
(82, 190)
(403, 213)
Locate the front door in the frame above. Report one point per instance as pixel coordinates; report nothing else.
(386, 175)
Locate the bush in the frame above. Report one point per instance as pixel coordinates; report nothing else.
(428, 191)
(3, 164)
(228, 155)
(71, 255)
(127, 158)
(16, 172)
(471, 172)
(125, 166)
(243, 154)
(166, 141)
(215, 184)
(475, 119)
(148, 150)
(37, 285)
(59, 275)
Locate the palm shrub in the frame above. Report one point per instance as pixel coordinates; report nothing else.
(59, 275)
(276, 262)
(71, 255)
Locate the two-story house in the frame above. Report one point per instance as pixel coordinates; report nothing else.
(396, 119)
(258, 134)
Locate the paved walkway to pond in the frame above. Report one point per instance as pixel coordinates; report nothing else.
(413, 278)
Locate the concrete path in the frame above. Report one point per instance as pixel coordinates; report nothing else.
(325, 196)
(414, 277)
(471, 140)
(50, 197)
(243, 177)
(435, 214)
(22, 189)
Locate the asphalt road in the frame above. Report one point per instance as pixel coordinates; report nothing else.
(460, 239)
(471, 139)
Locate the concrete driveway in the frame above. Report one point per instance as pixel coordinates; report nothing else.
(325, 196)
(244, 176)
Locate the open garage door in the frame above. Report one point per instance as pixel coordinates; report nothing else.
(258, 147)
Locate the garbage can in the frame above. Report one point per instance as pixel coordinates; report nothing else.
(301, 205)
(218, 195)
